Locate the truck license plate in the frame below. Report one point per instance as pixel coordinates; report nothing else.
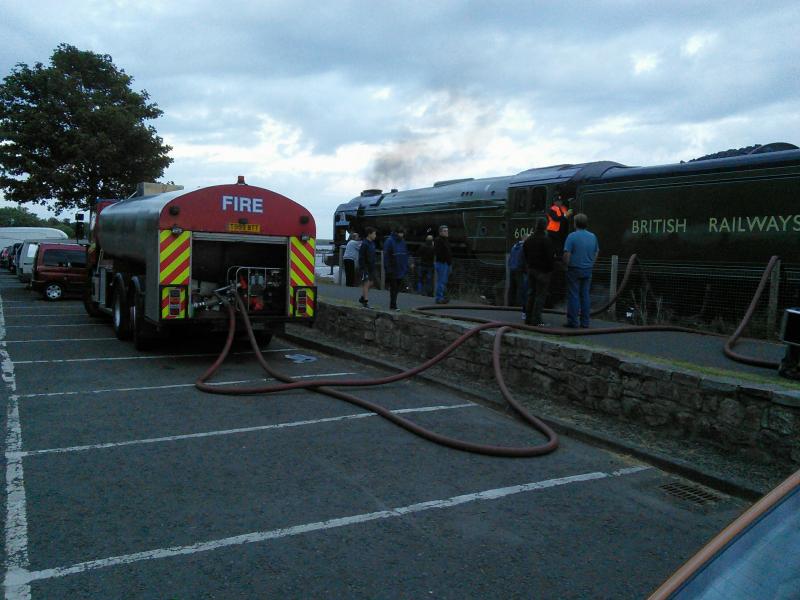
(245, 228)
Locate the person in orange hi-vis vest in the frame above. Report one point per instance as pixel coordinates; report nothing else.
(558, 222)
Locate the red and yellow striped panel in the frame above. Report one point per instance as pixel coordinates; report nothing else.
(301, 272)
(175, 258)
(178, 310)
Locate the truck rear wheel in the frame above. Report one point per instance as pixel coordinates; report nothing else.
(144, 334)
(92, 307)
(121, 315)
(263, 338)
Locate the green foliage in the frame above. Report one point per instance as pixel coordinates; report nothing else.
(75, 131)
(22, 217)
(18, 217)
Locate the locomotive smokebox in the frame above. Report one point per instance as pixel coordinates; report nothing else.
(790, 335)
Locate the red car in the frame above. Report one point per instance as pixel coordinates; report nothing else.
(59, 269)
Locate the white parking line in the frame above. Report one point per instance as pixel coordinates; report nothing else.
(43, 326)
(141, 357)
(174, 385)
(25, 577)
(61, 340)
(15, 315)
(61, 314)
(204, 434)
(16, 511)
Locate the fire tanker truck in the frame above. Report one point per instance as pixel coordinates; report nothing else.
(170, 261)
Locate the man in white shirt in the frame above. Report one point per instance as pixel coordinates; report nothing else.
(350, 259)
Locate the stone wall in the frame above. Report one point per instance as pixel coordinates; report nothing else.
(758, 421)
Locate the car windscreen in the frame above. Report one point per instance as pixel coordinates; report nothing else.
(64, 258)
(761, 562)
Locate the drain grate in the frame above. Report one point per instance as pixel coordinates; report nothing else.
(692, 493)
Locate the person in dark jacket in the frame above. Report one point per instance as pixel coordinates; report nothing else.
(425, 267)
(442, 263)
(518, 284)
(395, 261)
(368, 264)
(539, 251)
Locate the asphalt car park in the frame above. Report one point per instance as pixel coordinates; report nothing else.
(123, 480)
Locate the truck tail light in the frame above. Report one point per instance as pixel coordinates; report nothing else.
(174, 301)
(301, 302)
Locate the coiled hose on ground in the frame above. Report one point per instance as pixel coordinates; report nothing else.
(326, 386)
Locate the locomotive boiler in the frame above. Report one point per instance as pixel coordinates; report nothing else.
(725, 209)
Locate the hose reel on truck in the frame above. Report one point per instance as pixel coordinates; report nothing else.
(156, 262)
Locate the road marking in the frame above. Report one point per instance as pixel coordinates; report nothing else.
(62, 314)
(141, 357)
(16, 511)
(25, 577)
(43, 326)
(174, 385)
(205, 434)
(31, 317)
(61, 340)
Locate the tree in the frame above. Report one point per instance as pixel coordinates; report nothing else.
(17, 217)
(75, 131)
(22, 217)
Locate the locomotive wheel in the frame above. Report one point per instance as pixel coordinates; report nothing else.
(121, 316)
(144, 334)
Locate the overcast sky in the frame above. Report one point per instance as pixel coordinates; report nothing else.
(319, 100)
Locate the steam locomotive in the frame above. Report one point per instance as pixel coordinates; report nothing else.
(741, 208)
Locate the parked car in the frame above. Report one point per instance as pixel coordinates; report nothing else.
(12, 257)
(59, 269)
(756, 556)
(27, 256)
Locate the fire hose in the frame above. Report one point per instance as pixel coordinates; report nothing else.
(326, 386)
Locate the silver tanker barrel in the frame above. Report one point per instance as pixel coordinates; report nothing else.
(129, 229)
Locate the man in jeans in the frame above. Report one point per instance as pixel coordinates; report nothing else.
(443, 263)
(539, 251)
(395, 259)
(350, 259)
(580, 252)
(425, 267)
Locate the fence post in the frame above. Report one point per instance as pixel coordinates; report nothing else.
(379, 256)
(342, 280)
(507, 285)
(774, 289)
(612, 286)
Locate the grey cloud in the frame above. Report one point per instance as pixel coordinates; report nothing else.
(311, 65)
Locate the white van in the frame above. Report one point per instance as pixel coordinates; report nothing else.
(12, 235)
(27, 257)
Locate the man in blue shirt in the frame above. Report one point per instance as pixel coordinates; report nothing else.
(580, 252)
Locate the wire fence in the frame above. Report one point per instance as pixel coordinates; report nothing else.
(708, 296)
